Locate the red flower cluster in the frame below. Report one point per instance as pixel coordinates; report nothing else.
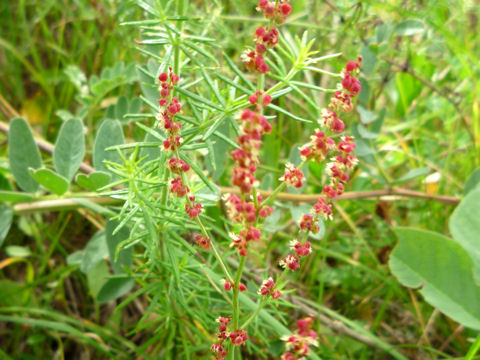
(320, 147)
(252, 127)
(300, 249)
(202, 241)
(227, 286)
(239, 210)
(237, 337)
(292, 176)
(240, 241)
(338, 167)
(268, 289)
(265, 99)
(222, 335)
(266, 37)
(321, 207)
(309, 223)
(170, 107)
(178, 165)
(290, 262)
(298, 344)
(275, 10)
(192, 208)
(178, 188)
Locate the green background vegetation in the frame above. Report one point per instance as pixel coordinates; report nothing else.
(418, 128)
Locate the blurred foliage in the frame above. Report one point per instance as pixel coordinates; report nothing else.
(417, 126)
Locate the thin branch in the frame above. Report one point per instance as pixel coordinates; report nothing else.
(384, 194)
(61, 205)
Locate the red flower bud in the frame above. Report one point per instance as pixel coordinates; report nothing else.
(163, 77)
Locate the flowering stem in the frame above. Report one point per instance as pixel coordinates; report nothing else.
(204, 230)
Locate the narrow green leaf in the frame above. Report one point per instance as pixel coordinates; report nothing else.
(200, 99)
(214, 127)
(6, 217)
(213, 87)
(289, 114)
(119, 257)
(238, 72)
(413, 174)
(69, 148)
(152, 153)
(15, 197)
(233, 84)
(23, 154)
(199, 50)
(200, 173)
(50, 180)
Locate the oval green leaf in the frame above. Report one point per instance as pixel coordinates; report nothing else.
(23, 154)
(473, 181)
(464, 225)
(51, 181)
(113, 289)
(123, 257)
(69, 148)
(93, 181)
(410, 27)
(109, 134)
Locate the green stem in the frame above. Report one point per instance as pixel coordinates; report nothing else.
(235, 304)
(205, 232)
(176, 48)
(260, 306)
(215, 251)
(473, 349)
(236, 286)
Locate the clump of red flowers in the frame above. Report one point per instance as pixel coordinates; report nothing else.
(227, 286)
(298, 344)
(275, 10)
(268, 289)
(202, 241)
(293, 176)
(236, 337)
